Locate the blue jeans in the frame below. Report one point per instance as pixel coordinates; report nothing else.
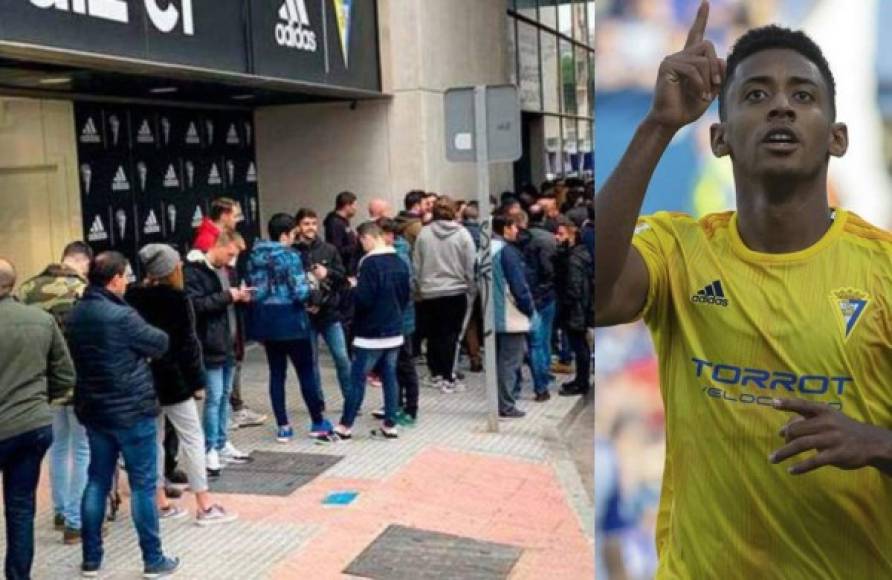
(333, 334)
(138, 446)
(540, 347)
(216, 406)
(69, 460)
(20, 458)
(364, 361)
(303, 357)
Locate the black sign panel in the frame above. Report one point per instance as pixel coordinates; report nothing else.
(188, 32)
(150, 174)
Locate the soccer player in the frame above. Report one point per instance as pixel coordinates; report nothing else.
(779, 307)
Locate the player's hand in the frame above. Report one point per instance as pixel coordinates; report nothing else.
(839, 440)
(689, 80)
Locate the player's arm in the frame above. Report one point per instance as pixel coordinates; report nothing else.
(839, 440)
(687, 83)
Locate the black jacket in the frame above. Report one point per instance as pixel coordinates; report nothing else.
(211, 304)
(339, 234)
(180, 372)
(110, 343)
(539, 249)
(330, 289)
(576, 277)
(382, 295)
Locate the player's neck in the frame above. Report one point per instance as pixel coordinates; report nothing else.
(777, 218)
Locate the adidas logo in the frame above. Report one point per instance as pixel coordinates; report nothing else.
(192, 137)
(89, 134)
(294, 31)
(711, 294)
(119, 182)
(214, 177)
(97, 231)
(144, 135)
(197, 217)
(151, 226)
(170, 178)
(232, 136)
(252, 174)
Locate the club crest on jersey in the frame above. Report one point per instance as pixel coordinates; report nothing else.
(850, 305)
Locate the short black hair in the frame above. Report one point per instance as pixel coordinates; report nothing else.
(304, 213)
(279, 224)
(773, 36)
(413, 198)
(388, 225)
(77, 248)
(344, 199)
(500, 221)
(105, 266)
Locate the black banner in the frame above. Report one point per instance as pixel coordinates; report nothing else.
(150, 174)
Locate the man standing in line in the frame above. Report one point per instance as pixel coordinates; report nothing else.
(340, 234)
(115, 400)
(56, 290)
(36, 372)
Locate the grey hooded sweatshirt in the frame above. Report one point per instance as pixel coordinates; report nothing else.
(444, 258)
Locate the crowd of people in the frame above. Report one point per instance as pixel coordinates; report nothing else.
(145, 377)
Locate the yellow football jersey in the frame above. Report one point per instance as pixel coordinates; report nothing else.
(733, 329)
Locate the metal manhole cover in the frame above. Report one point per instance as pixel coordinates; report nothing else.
(272, 473)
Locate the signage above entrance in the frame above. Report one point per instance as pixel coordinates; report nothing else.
(324, 42)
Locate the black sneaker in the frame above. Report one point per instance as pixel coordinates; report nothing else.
(89, 570)
(59, 522)
(166, 567)
(571, 389)
(178, 477)
(542, 397)
(378, 414)
(514, 413)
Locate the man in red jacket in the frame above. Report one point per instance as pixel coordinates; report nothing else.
(225, 214)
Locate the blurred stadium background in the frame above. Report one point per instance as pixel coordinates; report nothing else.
(632, 38)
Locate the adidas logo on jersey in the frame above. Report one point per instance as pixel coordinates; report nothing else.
(170, 178)
(192, 137)
(214, 177)
(151, 226)
(711, 294)
(97, 231)
(294, 31)
(119, 182)
(144, 135)
(197, 217)
(252, 174)
(89, 134)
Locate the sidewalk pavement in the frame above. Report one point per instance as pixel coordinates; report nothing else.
(519, 488)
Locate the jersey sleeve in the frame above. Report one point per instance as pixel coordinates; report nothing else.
(653, 240)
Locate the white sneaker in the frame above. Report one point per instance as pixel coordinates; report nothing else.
(433, 382)
(213, 462)
(213, 516)
(447, 387)
(458, 386)
(248, 418)
(231, 454)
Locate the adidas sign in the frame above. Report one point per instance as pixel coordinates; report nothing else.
(144, 135)
(119, 182)
(232, 136)
(214, 177)
(711, 294)
(293, 31)
(151, 226)
(97, 231)
(252, 174)
(192, 137)
(170, 178)
(197, 217)
(89, 134)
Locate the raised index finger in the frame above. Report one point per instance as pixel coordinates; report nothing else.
(803, 407)
(698, 29)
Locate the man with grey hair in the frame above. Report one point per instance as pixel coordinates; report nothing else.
(36, 371)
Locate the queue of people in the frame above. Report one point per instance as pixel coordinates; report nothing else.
(144, 376)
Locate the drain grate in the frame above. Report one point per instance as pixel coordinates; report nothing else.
(402, 553)
(272, 473)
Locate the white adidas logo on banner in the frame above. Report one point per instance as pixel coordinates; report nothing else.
(192, 137)
(214, 177)
(89, 134)
(144, 135)
(197, 217)
(252, 174)
(120, 183)
(151, 226)
(97, 231)
(232, 136)
(170, 178)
